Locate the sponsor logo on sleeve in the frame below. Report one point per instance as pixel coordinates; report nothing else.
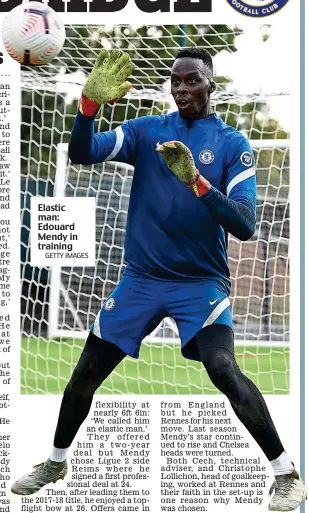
(257, 8)
(246, 159)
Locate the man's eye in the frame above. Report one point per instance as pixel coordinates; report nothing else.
(192, 81)
(175, 82)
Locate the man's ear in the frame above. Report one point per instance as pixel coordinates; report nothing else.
(212, 87)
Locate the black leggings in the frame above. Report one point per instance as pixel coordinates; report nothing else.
(216, 348)
(97, 361)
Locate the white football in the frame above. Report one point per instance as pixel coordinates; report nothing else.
(33, 33)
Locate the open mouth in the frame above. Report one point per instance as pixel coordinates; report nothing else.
(182, 103)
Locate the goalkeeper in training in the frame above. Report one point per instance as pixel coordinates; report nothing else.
(194, 182)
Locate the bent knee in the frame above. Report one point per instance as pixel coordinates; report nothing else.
(222, 368)
(85, 379)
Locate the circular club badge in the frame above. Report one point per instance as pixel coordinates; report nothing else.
(257, 8)
(109, 303)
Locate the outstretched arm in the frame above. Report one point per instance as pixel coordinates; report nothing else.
(86, 147)
(107, 82)
(237, 216)
(236, 213)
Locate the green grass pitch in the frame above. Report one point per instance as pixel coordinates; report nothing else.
(47, 365)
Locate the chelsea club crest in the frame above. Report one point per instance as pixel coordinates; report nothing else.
(206, 157)
(109, 304)
(257, 8)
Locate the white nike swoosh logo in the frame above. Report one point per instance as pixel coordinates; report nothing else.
(213, 302)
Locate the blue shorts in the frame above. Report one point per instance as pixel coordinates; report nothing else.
(138, 304)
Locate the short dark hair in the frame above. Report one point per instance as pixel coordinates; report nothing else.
(196, 53)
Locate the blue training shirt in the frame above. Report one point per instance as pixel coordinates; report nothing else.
(172, 234)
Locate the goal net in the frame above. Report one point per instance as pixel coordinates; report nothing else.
(59, 304)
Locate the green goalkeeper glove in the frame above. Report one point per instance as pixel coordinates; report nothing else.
(107, 81)
(180, 161)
